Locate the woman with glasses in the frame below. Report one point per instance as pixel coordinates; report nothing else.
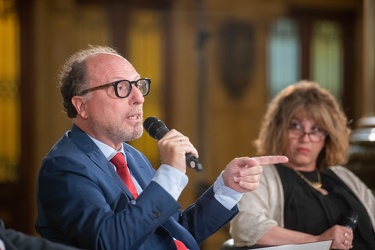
(308, 198)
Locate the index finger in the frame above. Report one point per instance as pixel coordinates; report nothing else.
(272, 159)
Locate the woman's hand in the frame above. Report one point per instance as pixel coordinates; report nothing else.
(342, 237)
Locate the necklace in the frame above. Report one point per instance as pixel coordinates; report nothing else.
(316, 185)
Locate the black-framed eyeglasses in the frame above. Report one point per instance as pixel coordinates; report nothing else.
(297, 131)
(124, 87)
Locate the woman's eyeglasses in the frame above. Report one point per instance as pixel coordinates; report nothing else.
(297, 131)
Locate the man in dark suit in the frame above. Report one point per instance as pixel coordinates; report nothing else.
(82, 200)
(14, 240)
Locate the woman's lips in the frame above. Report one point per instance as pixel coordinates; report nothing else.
(303, 150)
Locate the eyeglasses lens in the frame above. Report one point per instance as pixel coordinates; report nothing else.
(143, 86)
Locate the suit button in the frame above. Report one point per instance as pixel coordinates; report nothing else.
(156, 214)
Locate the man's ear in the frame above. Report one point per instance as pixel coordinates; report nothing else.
(79, 103)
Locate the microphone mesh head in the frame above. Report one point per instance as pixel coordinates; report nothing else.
(155, 127)
(350, 220)
(148, 123)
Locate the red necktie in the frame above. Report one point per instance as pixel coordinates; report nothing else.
(180, 245)
(123, 171)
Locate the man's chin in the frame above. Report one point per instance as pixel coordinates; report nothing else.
(135, 135)
(139, 134)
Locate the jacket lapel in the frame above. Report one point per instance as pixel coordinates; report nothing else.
(84, 142)
(137, 170)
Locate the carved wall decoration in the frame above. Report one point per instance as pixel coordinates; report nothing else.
(236, 56)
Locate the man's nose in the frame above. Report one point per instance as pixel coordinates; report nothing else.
(136, 96)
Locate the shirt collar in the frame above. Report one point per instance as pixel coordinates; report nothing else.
(107, 150)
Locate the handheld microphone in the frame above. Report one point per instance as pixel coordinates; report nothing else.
(350, 220)
(157, 129)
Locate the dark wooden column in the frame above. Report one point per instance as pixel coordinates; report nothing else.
(362, 153)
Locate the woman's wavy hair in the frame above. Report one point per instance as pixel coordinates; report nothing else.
(73, 75)
(321, 106)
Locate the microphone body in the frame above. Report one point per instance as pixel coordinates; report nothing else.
(157, 129)
(350, 220)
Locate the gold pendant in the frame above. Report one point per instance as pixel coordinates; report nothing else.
(316, 185)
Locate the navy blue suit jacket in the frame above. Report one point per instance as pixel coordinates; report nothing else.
(83, 202)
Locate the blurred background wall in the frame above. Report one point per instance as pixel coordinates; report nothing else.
(214, 66)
